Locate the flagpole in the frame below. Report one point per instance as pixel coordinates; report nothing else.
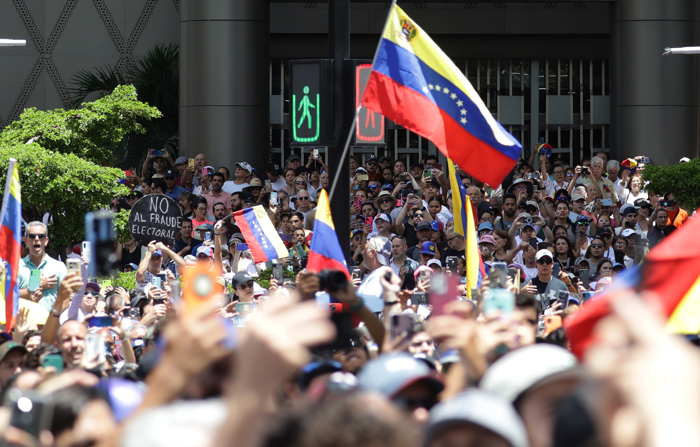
(357, 112)
(8, 182)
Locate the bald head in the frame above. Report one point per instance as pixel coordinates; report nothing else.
(474, 194)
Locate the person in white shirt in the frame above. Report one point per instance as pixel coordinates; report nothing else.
(377, 255)
(558, 183)
(240, 178)
(275, 174)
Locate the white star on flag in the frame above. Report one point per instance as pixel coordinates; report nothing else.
(464, 121)
(459, 103)
(446, 90)
(437, 87)
(425, 89)
(463, 112)
(453, 96)
(431, 86)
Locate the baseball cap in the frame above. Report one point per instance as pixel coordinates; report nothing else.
(203, 250)
(424, 225)
(355, 231)
(360, 170)
(575, 197)
(481, 408)
(436, 225)
(546, 150)
(382, 216)
(580, 261)
(293, 157)
(209, 170)
(627, 233)
(240, 278)
(10, 346)
(246, 166)
(485, 226)
(371, 158)
(628, 209)
(275, 169)
(236, 237)
(414, 165)
(170, 174)
(181, 161)
(434, 262)
(531, 203)
(205, 227)
(383, 248)
(603, 230)
(427, 248)
(684, 160)
(157, 253)
(314, 369)
(543, 253)
(519, 370)
(487, 239)
(94, 285)
(641, 203)
(383, 158)
(388, 374)
(132, 265)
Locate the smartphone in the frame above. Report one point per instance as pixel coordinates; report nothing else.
(427, 174)
(563, 298)
(244, 308)
(533, 242)
(101, 321)
(362, 177)
(277, 273)
(273, 198)
(157, 301)
(107, 283)
(369, 220)
(95, 347)
(73, 265)
(85, 249)
(55, 360)
(163, 279)
(403, 178)
(358, 201)
(401, 326)
(419, 298)
(551, 323)
(606, 202)
(443, 289)
(268, 185)
(514, 275)
(190, 164)
(207, 236)
(533, 175)
(335, 307)
(540, 140)
(585, 280)
(34, 280)
(497, 275)
(30, 411)
(499, 299)
(156, 282)
(645, 160)
(356, 273)
(424, 276)
(286, 237)
(451, 262)
(241, 247)
(555, 270)
(438, 166)
(158, 153)
(299, 251)
(587, 296)
(101, 233)
(314, 154)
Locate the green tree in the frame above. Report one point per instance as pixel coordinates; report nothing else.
(681, 179)
(62, 157)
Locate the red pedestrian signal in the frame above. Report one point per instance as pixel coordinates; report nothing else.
(370, 125)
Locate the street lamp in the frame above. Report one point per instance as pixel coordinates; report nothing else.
(12, 42)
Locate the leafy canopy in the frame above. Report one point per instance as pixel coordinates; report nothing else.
(681, 179)
(61, 155)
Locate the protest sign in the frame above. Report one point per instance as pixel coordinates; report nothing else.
(155, 217)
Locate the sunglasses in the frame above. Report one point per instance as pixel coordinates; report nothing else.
(583, 223)
(562, 198)
(246, 285)
(91, 293)
(545, 261)
(596, 245)
(385, 201)
(372, 163)
(300, 183)
(35, 235)
(302, 198)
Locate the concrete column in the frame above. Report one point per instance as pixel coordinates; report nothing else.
(654, 98)
(224, 80)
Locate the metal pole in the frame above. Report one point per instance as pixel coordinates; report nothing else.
(339, 51)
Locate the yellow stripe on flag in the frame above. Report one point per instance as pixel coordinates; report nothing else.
(685, 318)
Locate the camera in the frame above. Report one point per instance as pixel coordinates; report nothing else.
(332, 280)
(527, 221)
(585, 170)
(134, 312)
(668, 203)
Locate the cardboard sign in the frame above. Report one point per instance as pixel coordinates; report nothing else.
(155, 217)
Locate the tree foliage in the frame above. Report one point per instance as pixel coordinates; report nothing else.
(681, 179)
(61, 156)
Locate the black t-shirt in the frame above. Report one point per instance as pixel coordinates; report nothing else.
(180, 244)
(449, 252)
(409, 233)
(541, 286)
(129, 258)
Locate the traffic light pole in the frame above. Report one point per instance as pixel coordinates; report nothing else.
(339, 51)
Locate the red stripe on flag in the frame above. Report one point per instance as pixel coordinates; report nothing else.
(318, 262)
(417, 113)
(253, 245)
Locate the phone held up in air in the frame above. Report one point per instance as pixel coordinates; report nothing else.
(498, 275)
(443, 289)
(499, 299)
(356, 273)
(30, 412)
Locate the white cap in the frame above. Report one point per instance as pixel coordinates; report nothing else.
(382, 216)
(684, 160)
(542, 253)
(434, 262)
(575, 197)
(520, 370)
(627, 233)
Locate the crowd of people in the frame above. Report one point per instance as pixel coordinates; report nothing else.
(273, 354)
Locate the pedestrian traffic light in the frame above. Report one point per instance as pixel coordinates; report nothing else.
(369, 130)
(311, 102)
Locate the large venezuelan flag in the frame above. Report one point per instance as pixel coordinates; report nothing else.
(416, 85)
(325, 251)
(261, 236)
(11, 242)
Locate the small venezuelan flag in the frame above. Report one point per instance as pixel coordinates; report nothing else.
(416, 85)
(325, 251)
(11, 242)
(261, 236)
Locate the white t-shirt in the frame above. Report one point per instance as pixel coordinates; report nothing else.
(279, 184)
(372, 292)
(231, 187)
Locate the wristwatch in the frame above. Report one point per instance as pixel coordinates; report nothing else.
(55, 312)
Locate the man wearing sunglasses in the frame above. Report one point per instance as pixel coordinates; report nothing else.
(36, 238)
(547, 286)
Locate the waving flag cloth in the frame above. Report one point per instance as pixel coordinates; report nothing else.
(672, 271)
(416, 85)
(325, 251)
(261, 236)
(465, 225)
(11, 242)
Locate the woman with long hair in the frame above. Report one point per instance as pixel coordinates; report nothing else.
(503, 247)
(185, 200)
(634, 190)
(289, 176)
(563, 252)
